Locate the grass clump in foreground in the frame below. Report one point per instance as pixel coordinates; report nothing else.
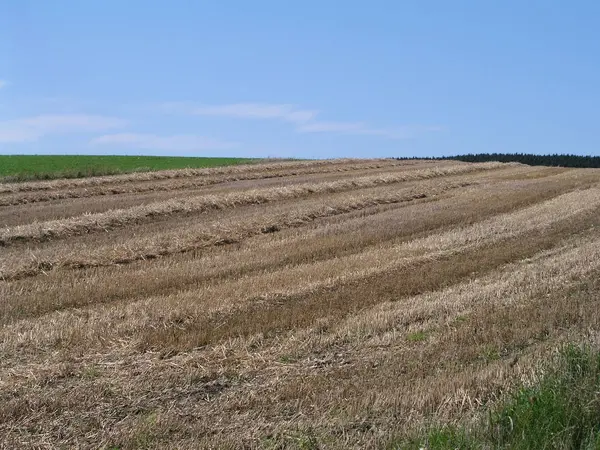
(560, 411)
(46, 167)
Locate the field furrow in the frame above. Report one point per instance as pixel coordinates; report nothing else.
(121, 217)
(62, 209)
(338, 236)
(190, 182)
(265, 169)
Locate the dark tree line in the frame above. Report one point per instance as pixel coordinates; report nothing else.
(532, 160)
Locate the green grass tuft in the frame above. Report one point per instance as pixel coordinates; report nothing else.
(417, 336)
(560, 411)
(46, 167)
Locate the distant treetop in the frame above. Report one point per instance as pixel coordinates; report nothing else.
(529, 159)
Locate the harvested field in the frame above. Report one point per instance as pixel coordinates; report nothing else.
(300, 304)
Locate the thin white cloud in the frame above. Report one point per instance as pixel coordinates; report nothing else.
(304, 120)
(336, 127)
(33, 128)
(180, 142)
(3, 83)
(357, 128)
(284, 112)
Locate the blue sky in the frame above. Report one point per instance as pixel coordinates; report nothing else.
(304, 79)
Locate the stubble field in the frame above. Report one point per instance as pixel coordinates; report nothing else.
(302, 304)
